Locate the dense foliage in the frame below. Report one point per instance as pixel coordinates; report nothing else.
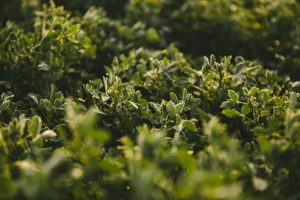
(150, 99)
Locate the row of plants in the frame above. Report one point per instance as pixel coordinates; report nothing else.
(265, 30)
(116, 100)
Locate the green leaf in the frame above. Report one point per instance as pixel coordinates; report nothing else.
(253, 91)
(178, 119)
(34, 98)
(133, 105)
(179, 107)
(189, 125)
(227, 104)
(94, 94)
(35, 126)
(258, 130)
(171, 108)
(246, 109)
(105, 97)
(233, 96)
(152, 35)
(43, 67)
(173, 97)
(184, 93)
(48, 134)
(4, 105)
(231, 113)
(156, 106)
(296, 86)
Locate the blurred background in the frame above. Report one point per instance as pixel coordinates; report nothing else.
(265, 30)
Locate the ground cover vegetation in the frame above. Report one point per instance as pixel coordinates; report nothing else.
(150, 99)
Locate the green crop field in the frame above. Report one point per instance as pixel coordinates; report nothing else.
(150, 99)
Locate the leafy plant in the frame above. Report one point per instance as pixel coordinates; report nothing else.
(117, 100)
